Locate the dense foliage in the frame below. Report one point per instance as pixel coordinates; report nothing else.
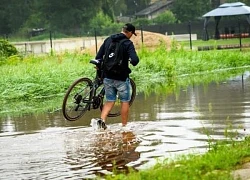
(76, 17)
(189, 10)
(6, 49)
(61, 16)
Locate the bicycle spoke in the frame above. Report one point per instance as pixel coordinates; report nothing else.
(77, 99)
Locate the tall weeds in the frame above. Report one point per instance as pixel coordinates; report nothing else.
(45, 78)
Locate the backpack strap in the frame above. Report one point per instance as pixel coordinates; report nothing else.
(119, 45)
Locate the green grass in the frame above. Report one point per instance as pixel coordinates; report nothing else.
(28, 83)
(213, 42)
(38, 83)
(217, 164)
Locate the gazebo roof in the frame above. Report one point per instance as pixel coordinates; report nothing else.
(229, 9)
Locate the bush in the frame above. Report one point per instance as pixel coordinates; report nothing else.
(7, 49)
(103, 25)
(142, 21)
(165, 18)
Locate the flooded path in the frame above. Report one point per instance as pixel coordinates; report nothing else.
(46, 146)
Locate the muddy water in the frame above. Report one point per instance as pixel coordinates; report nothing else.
(45, 146)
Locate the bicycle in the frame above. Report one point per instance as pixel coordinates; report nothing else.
(85, 94)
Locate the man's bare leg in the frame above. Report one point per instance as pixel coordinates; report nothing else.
(106, 109)
(124, 112)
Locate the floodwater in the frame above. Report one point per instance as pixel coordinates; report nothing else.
(45, 146)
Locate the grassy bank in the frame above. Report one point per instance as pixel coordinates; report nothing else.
(213, 42)
(38, 83)
(217, 163)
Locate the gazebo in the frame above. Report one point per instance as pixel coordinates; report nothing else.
(226, 9)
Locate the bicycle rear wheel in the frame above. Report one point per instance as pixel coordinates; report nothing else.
(77, 99)
(116, 110)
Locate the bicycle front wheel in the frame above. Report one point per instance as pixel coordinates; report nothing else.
(77, 99)
(116, 110)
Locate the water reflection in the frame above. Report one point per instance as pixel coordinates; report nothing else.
(45, 146)
(101, 152)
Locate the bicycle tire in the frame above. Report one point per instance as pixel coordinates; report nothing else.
(77, 99)
(117, 112)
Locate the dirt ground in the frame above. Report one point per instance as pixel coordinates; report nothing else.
(243, 173)
(150, 40)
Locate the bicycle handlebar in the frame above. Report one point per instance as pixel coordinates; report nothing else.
(98, 62)
(95, 61)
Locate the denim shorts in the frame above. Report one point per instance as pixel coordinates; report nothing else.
(116, 87)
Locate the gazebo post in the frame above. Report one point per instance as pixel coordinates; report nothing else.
(205, 33)
(217, 32)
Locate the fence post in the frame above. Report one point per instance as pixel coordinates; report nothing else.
(25, 47)
(141, 34)
(95, 42)
(50, 38)
(190, 34)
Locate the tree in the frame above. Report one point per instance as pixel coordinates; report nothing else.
(189, 10)
(13, 14)
(134, 6)
(142, 21)
(166, 17)
(4, 23)
(67, 14)
(108, 7)
(103, 25)
(114, 8)
(61, 15)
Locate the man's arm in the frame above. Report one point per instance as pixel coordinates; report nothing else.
(132, 54)
(101, 52)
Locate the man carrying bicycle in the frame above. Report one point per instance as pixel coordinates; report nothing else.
(117, 82)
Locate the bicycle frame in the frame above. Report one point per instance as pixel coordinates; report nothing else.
(94, 97)
(85, 94)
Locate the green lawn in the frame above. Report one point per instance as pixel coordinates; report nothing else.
(213, 42)
(216, 164)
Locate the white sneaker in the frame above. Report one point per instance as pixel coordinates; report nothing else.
(97, 123)
(101, 124)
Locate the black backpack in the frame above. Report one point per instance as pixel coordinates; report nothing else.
(113, 57)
